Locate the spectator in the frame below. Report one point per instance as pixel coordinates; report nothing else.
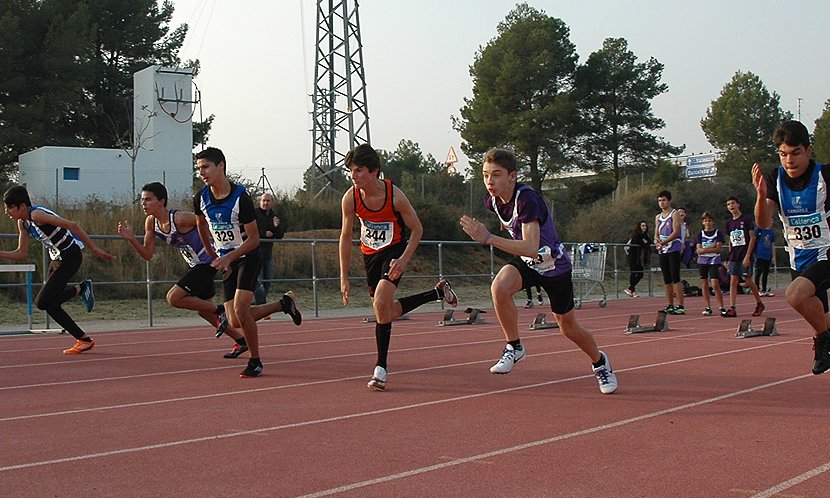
(270, 227)
(637, 249)
(763, 258)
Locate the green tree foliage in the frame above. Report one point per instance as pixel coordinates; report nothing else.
(740, 123)
(407, 158)
(66, 69)
(821, 136)
(521, 81)
(613, 94)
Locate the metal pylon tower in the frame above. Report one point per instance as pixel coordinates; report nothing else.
(341, 116)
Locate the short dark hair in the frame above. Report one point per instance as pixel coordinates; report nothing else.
(664, 193)
(707, 215)
(157, 189)
(792, 133)
(16, 196)
(213, 155)
(363, 155)
(503, 157)
(732, 198)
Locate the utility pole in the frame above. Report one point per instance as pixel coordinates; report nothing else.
(339, 91)
(798, 100)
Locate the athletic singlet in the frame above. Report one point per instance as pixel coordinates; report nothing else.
(551, 259)
(707, 241)
(55, 238)
(378, 229)
(188, 243)
(665, 227)
(802, 212)
(226, 217)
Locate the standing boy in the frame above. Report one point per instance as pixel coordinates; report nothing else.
(797, 191)
(65, 240)
(540, 260)
(384, 212)
(741, 245)
(195, 290)
(708, 243)
(225, 213)
(668, 239)
(764, 250)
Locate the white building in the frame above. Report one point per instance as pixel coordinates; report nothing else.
(162, 108)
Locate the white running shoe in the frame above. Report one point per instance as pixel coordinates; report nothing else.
(378, 382)
(606, 377)
(449, 295)
(509, 357)
(629, 292)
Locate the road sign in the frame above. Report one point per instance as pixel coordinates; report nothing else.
(701, 166)
(451, 157)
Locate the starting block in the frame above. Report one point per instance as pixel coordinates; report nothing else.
(472, 319)
(745, 328)
(660, 325)
(371, 319)
(541, 322)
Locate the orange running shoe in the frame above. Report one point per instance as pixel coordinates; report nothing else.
(79, 347)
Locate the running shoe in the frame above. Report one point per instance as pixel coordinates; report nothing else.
(86, 295)
(289, 307)
(759, 308)
(730, 313)
(378, 382)
(449, 295)
(529, 304)
(821, 345)
(669, 309)
(606, 376)
(707, 312)
(770, 293)
(678, 310)
(629, 292)
(539, 299)
(79, 347)
(254, 369)
(223, 321)
(237, 350)
(509, 357)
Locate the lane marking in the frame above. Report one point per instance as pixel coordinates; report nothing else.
(792, 482)
(340, 418)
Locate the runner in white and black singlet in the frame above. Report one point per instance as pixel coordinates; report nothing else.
(65, 240)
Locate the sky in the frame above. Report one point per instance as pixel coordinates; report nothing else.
(257, 66)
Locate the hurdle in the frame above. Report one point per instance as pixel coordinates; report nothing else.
(661, 324)
(28, 269)
(541, 322)
(473, 317)
(745, 328)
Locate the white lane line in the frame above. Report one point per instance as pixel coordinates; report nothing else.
(540, 442)
(409, 407)
(792, 482)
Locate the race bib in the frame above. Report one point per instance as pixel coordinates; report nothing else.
(737, 238)
(543, 262)
(707, 244)
(807, 231)
(225, 235)
(376, 235)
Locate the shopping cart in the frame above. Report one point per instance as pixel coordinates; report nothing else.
(588, 273)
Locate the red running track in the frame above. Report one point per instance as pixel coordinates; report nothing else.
(699, 412)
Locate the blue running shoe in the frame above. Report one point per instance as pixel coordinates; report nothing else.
(86, 295)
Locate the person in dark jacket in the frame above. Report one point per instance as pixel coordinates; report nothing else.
(639, 255)
(270, 227)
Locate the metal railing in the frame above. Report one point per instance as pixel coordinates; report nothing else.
(615, 275)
